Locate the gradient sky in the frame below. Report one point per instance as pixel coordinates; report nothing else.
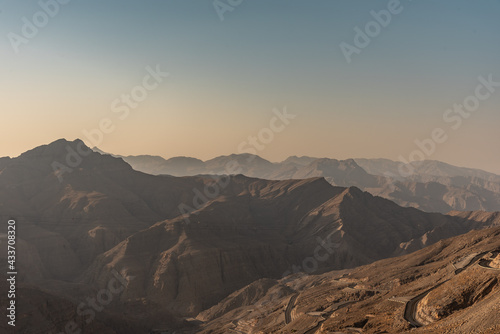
(227, 76)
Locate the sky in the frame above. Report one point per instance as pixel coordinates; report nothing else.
(233, 65)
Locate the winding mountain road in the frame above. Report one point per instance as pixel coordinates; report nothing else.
(486, 265)
(410, 312)
(328, 315)
(289, 308)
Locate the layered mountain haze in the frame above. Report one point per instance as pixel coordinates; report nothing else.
(181, 245)
(431, 186)
(419, 170)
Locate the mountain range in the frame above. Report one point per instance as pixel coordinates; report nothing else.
(429, 185)
(181, 246)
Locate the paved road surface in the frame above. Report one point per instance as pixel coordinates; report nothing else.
(411, 307)
(471, 262)
(289, 308)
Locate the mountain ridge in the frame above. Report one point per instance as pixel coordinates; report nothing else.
(105, 218)
(430, 185)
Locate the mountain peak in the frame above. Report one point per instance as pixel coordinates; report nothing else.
(57, 148)
(63, 156)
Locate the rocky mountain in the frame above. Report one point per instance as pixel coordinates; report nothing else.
(181, 245)
(431, 186)
(449, 287)
(263, 229)
(76, 213)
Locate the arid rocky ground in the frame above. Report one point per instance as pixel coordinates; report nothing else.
(256, 256)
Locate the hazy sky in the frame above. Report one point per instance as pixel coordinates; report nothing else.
(226, 77)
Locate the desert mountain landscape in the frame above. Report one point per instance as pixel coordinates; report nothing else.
(249, 167)
(449, 287)
(429, 185)
(197, 253)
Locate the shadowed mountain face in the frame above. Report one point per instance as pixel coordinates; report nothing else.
(89, 210)
(431, 186)
(81, 225)
(263, 231)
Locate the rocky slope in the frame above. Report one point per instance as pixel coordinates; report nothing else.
(267, 229)
(371, 299)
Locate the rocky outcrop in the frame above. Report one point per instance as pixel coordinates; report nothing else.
(495, 263)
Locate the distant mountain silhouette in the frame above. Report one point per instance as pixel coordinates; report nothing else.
(431, 186)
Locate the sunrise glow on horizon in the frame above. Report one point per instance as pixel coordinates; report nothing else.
(226, 78)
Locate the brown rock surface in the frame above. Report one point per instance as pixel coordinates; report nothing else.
(104, 216)
(467, 302)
